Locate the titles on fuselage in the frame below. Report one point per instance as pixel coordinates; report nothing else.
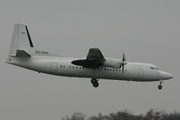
(41, 52)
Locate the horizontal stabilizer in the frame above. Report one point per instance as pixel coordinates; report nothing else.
(22, 53)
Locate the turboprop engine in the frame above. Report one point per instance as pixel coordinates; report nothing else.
(113, 63)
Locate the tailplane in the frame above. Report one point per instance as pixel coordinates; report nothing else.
(21, 44)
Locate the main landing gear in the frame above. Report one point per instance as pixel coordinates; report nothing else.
(95, 83)
(160, 86)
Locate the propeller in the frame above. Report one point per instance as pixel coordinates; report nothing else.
(123, 62)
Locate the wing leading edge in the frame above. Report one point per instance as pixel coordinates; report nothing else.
(94, 59)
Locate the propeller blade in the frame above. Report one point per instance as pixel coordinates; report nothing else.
(124, 58)
(123, 62)
(123, 69)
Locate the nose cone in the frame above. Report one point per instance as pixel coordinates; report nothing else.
(166, 76)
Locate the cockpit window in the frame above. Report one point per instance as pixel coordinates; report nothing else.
(154, 68)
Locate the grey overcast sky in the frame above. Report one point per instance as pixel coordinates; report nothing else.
(147, 31)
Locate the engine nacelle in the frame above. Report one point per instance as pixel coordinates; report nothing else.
(113, 63)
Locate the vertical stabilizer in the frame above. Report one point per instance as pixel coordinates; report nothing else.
(21, 40)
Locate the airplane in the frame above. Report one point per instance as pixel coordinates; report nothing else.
(94, 66)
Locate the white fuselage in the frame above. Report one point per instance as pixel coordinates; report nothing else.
(62, 66)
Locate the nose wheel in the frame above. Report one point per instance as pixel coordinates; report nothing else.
(160, 86)
(95, 83)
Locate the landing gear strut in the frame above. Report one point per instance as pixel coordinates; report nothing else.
(95, 83)
(160, 86)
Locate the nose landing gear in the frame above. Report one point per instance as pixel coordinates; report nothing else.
(160, 86)
(95, 83)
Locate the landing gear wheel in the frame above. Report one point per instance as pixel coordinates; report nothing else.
(96, 84)
(160, 87)
(93, 80)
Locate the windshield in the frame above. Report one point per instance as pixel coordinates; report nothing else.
(154, 68)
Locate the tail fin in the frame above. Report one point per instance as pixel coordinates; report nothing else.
(21, 44)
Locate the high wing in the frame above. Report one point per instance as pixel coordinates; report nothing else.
(94, 59)
(95, 54)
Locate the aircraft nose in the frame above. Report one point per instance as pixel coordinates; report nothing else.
(166, 76)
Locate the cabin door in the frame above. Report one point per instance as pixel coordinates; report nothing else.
(141, 73)
(53, 67)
